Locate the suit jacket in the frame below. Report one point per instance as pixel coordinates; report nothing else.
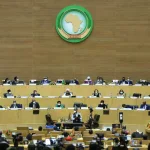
(123, 82)
(103, 106)
(33, 95)
(36, 105)
(17, 106)
(129, 82)
(45, 82)
(143, 107)
(8, 94)
(76, 81)
(14, 82)
(97, 95)
(88, 82)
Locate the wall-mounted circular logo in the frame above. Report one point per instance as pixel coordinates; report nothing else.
(74, 23)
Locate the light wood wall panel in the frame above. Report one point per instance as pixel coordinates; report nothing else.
(118, 46)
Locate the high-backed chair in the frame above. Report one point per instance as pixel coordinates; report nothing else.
(96, 121)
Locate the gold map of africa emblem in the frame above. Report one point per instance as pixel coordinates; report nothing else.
(76, 22)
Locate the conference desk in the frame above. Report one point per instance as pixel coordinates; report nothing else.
(68, 102)
(26, 147)
(83, 90)
(14, 118)
(143, 147)
(109, 147)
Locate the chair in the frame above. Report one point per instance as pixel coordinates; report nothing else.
(96, 121)
(4, 145)
(84, 105)
(49, 119)
(138, 95)
(31, 147)
(78, 105)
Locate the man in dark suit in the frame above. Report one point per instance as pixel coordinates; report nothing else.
(15, 105)
(102, 104)
(34, 104)
(144, 106)
(35, 93)
(123, 81)
(76, 117)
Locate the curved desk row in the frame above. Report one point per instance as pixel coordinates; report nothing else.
(68, 102)
(54, 90)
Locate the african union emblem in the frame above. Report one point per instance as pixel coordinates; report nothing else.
(74, 23)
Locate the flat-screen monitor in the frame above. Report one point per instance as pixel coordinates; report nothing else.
(78, 105)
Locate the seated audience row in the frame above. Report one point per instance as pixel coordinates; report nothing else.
(88, 80)
(34, 104)
(68, 93)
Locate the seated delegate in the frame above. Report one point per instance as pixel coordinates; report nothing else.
(130, 82)
(123, 81)
(102, 104)
(145, 106)
(99, 80)
(9, 93)
(7, 81)
(88, 81)
(67, 93)
(16, 81)
(96, 93)
(35, 93)
(15, 105)
(75, 81)
(121, 93)
(45, 81)
(34, 104)
(59, 104)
